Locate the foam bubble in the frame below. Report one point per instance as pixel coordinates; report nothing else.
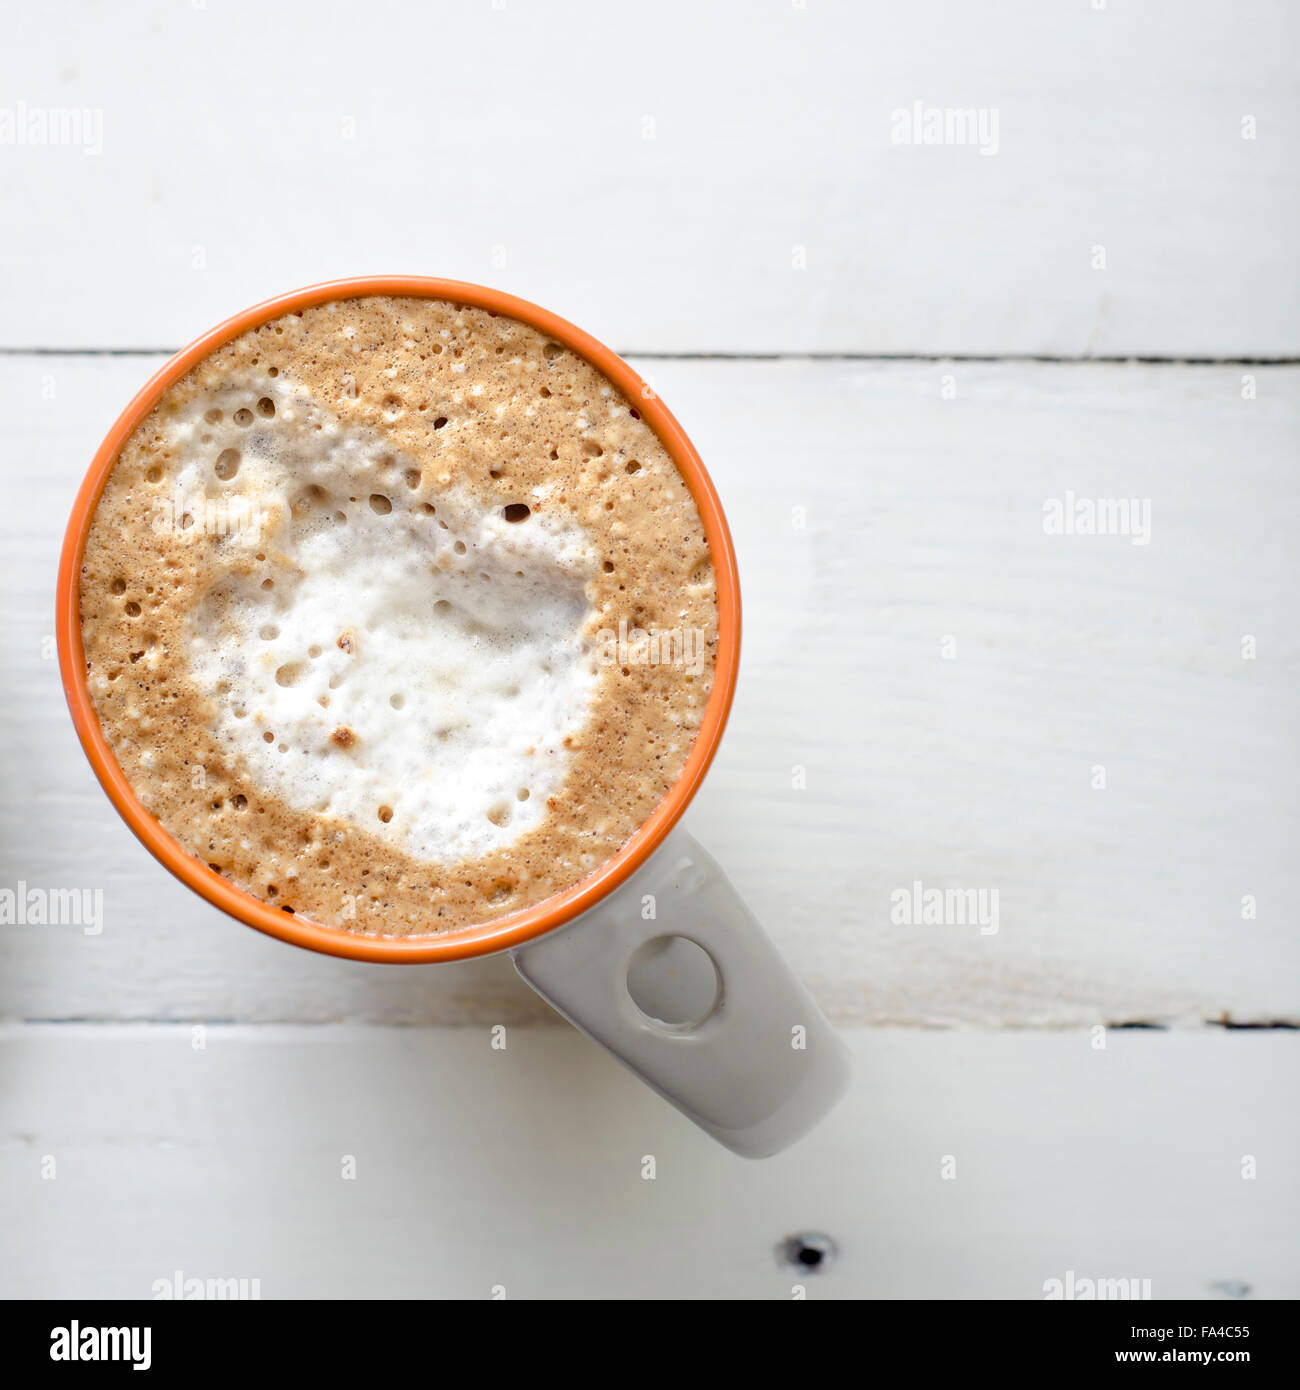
(411, 661)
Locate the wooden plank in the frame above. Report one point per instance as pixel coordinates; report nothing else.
(707, 178)
(874, 520)
(522, 1169)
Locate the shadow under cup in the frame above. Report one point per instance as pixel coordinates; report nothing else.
(484, 938)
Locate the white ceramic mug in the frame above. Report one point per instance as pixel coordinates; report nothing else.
(724, 1032)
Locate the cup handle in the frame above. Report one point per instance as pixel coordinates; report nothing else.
(761, 1067)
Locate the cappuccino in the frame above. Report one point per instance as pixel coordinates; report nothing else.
(397, 615)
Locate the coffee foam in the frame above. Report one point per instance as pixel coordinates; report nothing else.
(414, 666)
(215, 523)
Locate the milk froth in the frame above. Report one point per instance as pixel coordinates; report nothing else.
(414, 665)
(340, 602)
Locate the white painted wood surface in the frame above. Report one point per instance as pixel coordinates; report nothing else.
(522, 1169)
(924, 522)
(704, 175)
(718, 178)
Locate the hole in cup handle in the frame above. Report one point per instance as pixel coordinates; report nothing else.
(756, 1064)
(674, 981)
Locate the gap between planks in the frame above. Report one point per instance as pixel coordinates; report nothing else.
(1016, 359)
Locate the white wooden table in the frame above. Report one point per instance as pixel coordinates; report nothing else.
(852, 329)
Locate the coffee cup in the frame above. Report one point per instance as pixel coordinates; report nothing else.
(653, 954)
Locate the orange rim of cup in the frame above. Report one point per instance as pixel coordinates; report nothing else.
(498, 934)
